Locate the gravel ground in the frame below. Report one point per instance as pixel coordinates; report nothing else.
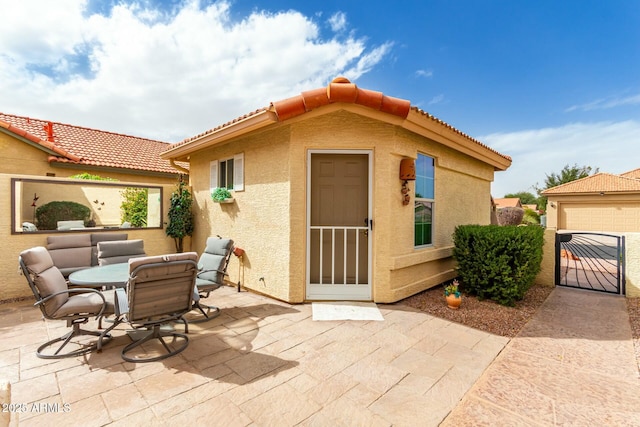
(500, 320)
(485, 315)
(633, 306)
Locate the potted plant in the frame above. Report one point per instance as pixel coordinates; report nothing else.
(452, 295)
(222, 195)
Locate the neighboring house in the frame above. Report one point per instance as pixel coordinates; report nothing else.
(320, 206)
(37, 158)
(602, 202)
(43, 148)
(532, 207)
(509, 202)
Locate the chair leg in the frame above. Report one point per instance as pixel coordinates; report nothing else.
(76, 331)
(208, 312)
(156, 333)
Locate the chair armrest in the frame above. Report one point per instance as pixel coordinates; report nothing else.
(75, 291)
(121, 302)
(224, 273)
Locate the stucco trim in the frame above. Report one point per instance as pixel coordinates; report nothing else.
(248, 124)
(420, 256)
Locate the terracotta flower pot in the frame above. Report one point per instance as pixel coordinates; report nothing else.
(453, 301)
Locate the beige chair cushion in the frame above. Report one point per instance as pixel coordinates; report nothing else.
(103, 237)
(47, 277)
(70, 252)
(119, 251)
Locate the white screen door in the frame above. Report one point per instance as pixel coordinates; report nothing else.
(339, 226)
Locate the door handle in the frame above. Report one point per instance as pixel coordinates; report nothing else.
(369, 223)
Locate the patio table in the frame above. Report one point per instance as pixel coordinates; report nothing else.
(108, 276)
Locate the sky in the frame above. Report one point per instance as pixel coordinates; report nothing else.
(549, 83)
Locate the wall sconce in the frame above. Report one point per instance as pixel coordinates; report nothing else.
(407, 173)
(553, 205)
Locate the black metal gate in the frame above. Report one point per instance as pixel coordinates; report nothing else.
(590, 261)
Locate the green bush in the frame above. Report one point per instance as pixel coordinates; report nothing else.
(134, 206)
(498, 262)
(48, 215)
(180, 215)
(531, 217)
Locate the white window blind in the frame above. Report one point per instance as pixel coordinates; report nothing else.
(238, 172)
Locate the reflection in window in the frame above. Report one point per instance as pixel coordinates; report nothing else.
(63, 205)
(423, 217)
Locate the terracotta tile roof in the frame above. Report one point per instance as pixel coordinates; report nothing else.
(91, 147)
(339, 90)
(508, 202)
(451, 128)
(632, 174)
(598, 183)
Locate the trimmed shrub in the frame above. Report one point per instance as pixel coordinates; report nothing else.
(48, 215)
(498, 262)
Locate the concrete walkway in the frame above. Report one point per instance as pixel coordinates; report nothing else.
(573, 364)
(267, 363)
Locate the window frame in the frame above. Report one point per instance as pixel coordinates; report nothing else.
(421, 200)
(215, 170)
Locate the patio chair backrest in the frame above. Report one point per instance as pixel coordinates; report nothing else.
(44, 278)
(117, 251)
(160, 285)
(103, 237)
(215, 259)
(70, 252)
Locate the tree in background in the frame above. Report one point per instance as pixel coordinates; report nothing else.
(525, 197)
(180, 216)
(567, 174)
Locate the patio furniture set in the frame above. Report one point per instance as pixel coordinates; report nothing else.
(114, 280)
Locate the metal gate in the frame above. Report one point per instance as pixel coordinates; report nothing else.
(590, 261)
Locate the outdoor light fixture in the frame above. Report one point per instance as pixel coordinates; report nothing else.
(407, 173)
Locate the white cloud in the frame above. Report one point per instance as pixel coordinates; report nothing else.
(603, 104)
(338, 21)
(160, 75)
(611, 146)
(436, 99)
(424, 73)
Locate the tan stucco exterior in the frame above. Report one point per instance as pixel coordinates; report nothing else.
(593, 212)
(14, 286)
(268, 218)
(21, 159)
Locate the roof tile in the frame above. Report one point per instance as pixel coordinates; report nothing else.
(598, 183)
(91, 147)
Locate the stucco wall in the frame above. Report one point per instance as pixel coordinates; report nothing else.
(546, 277)
(14, 285)
(593, 212)
(258, 221)
(268, 218)
(632, 259)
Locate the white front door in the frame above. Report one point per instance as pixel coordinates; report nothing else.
(339, 226)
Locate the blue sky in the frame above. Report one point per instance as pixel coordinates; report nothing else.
(547, 82)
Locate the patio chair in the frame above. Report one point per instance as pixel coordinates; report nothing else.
(118, 251)
(213, 265)
(159, 291)
(57, 302)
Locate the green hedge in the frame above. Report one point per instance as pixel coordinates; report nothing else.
(48, 215)
(498, 262)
